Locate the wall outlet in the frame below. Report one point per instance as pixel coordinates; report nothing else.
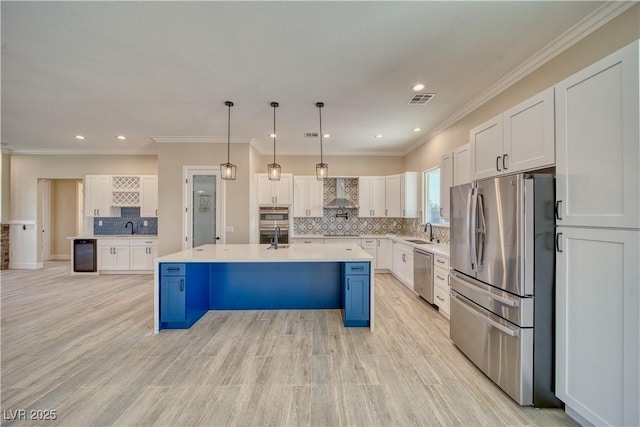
(144, 223)
(99, 223)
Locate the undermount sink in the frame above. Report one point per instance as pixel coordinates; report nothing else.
(418, 241)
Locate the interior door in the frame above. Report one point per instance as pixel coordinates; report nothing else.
(203, 197)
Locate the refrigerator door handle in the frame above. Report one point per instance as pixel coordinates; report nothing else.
(481, 230)
(472, 228)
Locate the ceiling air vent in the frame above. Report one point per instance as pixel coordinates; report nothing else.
(311, 134)
(420, 98)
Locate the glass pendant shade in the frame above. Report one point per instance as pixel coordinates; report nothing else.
(274, 171)
(322, 171)
(228, 170)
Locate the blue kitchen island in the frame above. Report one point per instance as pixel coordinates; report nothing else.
(256, 277)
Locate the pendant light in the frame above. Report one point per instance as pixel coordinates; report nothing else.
(322, 169)
(274, 168)
(228, 170)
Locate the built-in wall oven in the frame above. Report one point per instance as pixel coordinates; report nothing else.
(272, 218)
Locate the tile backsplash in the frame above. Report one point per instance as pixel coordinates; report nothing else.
(116, 225)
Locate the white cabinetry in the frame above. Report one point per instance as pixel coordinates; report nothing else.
(274, 192)
(306, 240)
(597, 182)
(371, 247)
(142, 253)
(462, 165)
(403, 263)
(371, 196)
(522, 138)
(597, 322)
(441, 283)
(307, 197)
(598, 240)
(384, 254)
(401, 195)
(446, 180)
(149, 184)
(97, 195)
(113, 254)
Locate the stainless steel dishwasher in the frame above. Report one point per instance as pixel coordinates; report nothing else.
(423, 274)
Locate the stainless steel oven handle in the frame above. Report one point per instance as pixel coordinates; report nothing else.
(470, 309)
(508, 302)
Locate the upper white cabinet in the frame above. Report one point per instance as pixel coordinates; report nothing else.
(274, 192)
(597, 181)
(522, 138)
(97, 195)
(462, 165)
(307, 196)
(446, 180)
(371, 196)
(149, 184)
(401, 195)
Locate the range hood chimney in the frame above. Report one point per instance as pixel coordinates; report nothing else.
(341, 201)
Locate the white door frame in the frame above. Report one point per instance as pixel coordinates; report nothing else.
(187, 201)
(44, 223)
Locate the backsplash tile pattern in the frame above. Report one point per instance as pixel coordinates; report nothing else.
(350, 190)
(116, 225)
(414, 228)
(331, 226)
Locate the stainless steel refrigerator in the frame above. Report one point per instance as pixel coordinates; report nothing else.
(502, 282)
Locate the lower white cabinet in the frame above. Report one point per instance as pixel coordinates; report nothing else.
(597, 318)
(113, 254)
(384, 257)
(403, 263)
(441, 284)
(124, 255)
(142, 253)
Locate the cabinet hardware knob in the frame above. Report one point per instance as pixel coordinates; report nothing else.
(504, 158)
(558, 236)
(498, 164)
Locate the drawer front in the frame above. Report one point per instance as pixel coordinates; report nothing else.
(356, 268)
(113, 242)
(369, 242)
(143, 242)
(440, 261)
(345, 240)
(307, 241)
(441, 277)
(172, 269)
(441, 299)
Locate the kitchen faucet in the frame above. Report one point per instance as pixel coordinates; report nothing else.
(127, 225)
(429, 230)
(277, 233)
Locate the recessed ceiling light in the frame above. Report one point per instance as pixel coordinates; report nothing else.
(80, 137)
(378, 136)
(121, 137)
(418, 87)
(326, 135)
(417, 129)
(272, 135)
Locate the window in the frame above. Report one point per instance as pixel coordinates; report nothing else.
(431, 197)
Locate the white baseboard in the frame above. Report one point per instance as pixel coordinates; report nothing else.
(25, 265)
(60, 257)
(576, 416)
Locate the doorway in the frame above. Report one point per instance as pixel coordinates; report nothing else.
(204, 206)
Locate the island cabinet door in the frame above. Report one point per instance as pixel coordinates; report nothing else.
(172, 299)
(356, 294)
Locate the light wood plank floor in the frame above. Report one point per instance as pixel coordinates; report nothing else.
(84, 347)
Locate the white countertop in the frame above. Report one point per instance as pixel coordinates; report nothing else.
(116, 236)
(259, 253)
(435, 248)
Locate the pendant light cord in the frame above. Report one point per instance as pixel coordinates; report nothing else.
(229, 104)
(274, 105)
(320, 105)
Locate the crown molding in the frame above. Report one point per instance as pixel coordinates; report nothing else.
(592, 22)
(77, 152)
(200, 140)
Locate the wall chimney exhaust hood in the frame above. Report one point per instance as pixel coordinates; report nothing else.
(341, 201)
